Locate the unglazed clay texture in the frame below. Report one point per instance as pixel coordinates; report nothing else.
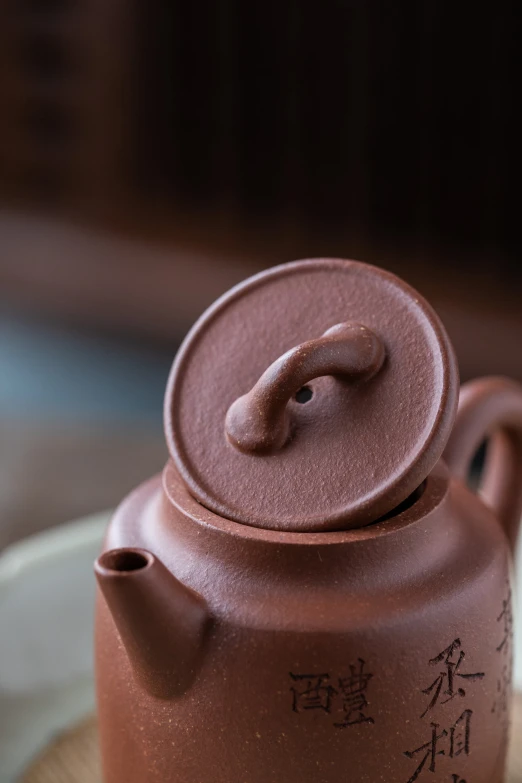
(382, 408)
(234, 652)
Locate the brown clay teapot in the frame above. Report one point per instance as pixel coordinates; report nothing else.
(311, 593)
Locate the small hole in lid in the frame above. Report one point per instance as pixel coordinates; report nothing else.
(304, 394)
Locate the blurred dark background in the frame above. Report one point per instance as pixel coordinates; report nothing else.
(153, 154)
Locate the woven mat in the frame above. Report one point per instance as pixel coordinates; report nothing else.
(73, 757)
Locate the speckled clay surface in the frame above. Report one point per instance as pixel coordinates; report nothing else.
(381, 412)
(373, 643)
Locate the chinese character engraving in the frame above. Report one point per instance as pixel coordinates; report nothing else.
(430, 752)
(506, 618)
(504, 648)
(312, 692)
(450, 743)
(501, 703)
(446, 684)
(316, 692)
(457, 779)
(353, 692)
(460, 735)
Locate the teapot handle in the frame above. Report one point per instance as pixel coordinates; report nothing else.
(491, 407)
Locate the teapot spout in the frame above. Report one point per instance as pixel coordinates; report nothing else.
(161, 622)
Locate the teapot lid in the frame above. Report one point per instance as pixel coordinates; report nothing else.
(315, 396)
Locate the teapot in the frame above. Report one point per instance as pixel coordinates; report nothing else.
(311, 592)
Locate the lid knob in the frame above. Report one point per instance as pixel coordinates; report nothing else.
(259, 421)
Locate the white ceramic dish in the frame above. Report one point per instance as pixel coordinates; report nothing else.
(46, 629)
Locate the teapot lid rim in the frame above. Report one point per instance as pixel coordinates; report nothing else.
(406, 411)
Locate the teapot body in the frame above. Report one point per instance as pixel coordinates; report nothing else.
(309, 594)
(382, 653)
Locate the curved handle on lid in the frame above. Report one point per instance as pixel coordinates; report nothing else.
(259, 421)
(491, 407)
